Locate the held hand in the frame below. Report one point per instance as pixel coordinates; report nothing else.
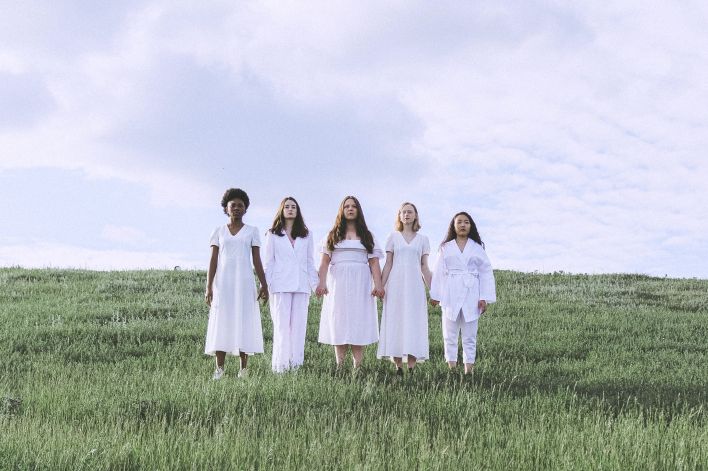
(321, 290)
(434, 302)
(208, 296)
(482, 304)
(263, 293)
(378, 292)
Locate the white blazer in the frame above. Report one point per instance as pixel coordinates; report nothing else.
(289, 269)
(461, 279)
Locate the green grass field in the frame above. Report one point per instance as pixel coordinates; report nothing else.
(105, 371)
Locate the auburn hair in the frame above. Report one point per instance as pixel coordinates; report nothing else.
(339, 229)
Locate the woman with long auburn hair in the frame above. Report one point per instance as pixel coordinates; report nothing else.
(288, 260)
(349, 266)
(463, 285)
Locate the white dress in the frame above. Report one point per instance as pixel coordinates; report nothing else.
(404, 321)
(349, 314)
(234, 317)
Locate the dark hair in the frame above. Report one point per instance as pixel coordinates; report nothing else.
(299, 227)
(232, 194)
(474, 234)
(339, 230)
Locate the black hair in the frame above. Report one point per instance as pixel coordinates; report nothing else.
(232, 194)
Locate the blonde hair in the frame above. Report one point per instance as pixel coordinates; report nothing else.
(399, 225)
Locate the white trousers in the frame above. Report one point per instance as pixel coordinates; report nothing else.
(451, 332)
(289, 314)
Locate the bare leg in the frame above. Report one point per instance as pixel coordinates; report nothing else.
(357, 355)
(398, 361)
(340, 352)
(220, 357)
(469, 368)
(452, 365)
(244, 360)
(411, 362)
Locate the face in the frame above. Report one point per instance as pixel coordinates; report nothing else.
(407, 215)
(462, 226)
(236, 208)
(289, 209)
(350, 210)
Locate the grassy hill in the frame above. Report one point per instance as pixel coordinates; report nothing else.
(104, 370)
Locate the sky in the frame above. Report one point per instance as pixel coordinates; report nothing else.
(574, 133)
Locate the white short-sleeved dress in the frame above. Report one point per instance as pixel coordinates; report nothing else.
(349, 314)
(234, 317)
(404, 321)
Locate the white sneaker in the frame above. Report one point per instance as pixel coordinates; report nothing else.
(218, 373)
(243, 373)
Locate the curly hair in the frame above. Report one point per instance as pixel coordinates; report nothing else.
(398, 225)
(474, 233)
(339, 230)
(299, 227)
(232, 194)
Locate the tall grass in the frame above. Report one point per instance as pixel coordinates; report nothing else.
(106, 371)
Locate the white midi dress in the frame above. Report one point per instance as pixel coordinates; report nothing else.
(404, 321)
(234, 317)
(349, 314)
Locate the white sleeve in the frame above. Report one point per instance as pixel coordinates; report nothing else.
(487, 287)
(426, 245)
(255, 238)
(389, 243)
(214, 239)
(323, 247)
(377, 252)
(312, 272)
(439, 281)
(268, 257)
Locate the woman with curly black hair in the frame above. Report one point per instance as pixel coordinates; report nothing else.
(234, 317)
(350, 255)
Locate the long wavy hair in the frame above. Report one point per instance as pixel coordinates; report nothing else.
(299, 228)
(339, 230)
(474, 233)
(416, 223)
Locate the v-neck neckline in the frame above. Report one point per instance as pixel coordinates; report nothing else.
(237, 232)
(415, 234)
(463, 248)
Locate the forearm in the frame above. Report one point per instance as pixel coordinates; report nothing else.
(375, 272)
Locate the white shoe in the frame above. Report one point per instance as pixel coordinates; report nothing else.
(218, 373)
(243, 373)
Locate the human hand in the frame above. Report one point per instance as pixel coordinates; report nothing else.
(482, 305)
(378, 292)
(434, 302)
(208, 296)
(263, 293)
(321, 290)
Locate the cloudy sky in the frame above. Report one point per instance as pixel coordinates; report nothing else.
(575, 133)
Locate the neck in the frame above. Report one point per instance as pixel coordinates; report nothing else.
(288, 226)
(461, 239)
(235, 221)
(351, 226)
(408, 228)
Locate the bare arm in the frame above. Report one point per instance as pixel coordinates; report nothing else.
(387, 268)
(427, 274)
(209, 293)
(258, 265)
(375, 268)
(324, 266)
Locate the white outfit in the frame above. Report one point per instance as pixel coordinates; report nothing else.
(234, 317)
(460, 280)
(404, 321)
(291, 275)
(349, 314)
